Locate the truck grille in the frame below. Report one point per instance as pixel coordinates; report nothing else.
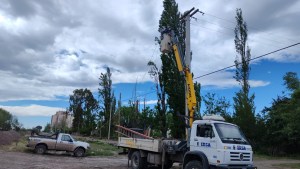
(239, 156)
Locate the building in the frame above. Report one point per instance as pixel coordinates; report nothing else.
(62, 119)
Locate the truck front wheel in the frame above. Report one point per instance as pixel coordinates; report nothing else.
(40, 149)
(194, 164)
(79, 152)
(137, 162)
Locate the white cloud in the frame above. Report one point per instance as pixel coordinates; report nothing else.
(32, 110)
(151, 102)
(226, 80)
(32, 65)
(258, 83)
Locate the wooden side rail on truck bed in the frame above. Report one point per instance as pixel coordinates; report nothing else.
(130, 133)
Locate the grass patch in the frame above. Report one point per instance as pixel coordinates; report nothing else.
(99, 148)
(17, 146)
(291, 165)
(268, 157)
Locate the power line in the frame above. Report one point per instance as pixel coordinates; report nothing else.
(219, 70)
(249, 60)
(223, 32)
(139, 96)
(229, 28)
(253, 27)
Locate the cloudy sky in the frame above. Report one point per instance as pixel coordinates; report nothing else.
(49, 48)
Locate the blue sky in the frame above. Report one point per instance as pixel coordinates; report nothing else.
(50, 49)
(270, 71)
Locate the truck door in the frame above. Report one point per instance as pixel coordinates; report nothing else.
(65, 143)
(204, 140)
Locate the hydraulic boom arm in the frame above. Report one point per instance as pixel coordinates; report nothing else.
(168, 38)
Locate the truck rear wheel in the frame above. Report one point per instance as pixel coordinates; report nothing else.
(137, 162)
(194, 164)
(40, 149)
(79, 152)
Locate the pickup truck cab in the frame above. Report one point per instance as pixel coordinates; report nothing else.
(58, 142)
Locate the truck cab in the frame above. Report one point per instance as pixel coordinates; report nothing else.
(217, 144)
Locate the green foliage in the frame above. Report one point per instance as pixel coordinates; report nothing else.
(84, 107)
(244, 108)
(218, 106)
(161, 106)
(197, 87)
(291, 165)
(47, 128)
(5, 119)
(107, 102)
(291, 81)
(173, 80)
(100, 148)
(8, 121)
(281, 133)
(106, 94)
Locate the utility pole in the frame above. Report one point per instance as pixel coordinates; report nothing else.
(187, 61)
(111, 101)
(119, 108)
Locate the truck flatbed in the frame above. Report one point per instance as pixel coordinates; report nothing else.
(153, 145)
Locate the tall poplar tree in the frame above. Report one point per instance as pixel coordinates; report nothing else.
(244, 108)
(173, 80)
(107, 101)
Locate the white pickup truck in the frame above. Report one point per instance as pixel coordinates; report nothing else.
(58, 142)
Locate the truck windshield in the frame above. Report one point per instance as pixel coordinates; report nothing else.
(230, 134)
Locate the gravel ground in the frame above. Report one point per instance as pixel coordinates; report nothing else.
(18, 160)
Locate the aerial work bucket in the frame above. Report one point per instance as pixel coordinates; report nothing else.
(165, 44)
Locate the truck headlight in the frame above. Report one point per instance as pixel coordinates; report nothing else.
(227, 147)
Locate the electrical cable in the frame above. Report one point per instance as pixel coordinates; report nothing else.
(253, 27)
(219, 70)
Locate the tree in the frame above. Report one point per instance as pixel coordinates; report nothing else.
(84, 106)
(244, 108)
(291, 81)
(161, 95)
(47, 128)
(197, 114)
(173, 80)
(218, 106)
(107, 99)
(105, 92)
(5, 119)
(281, 133)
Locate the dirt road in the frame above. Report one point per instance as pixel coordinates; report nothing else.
(18, 160)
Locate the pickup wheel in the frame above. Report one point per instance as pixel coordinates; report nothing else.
(79, 152)
(137, 162)
(40, 149)
(194, 164)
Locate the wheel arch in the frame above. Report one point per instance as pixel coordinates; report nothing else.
(39, 144)
(80, 147)
(143, 153)
(196, 155)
